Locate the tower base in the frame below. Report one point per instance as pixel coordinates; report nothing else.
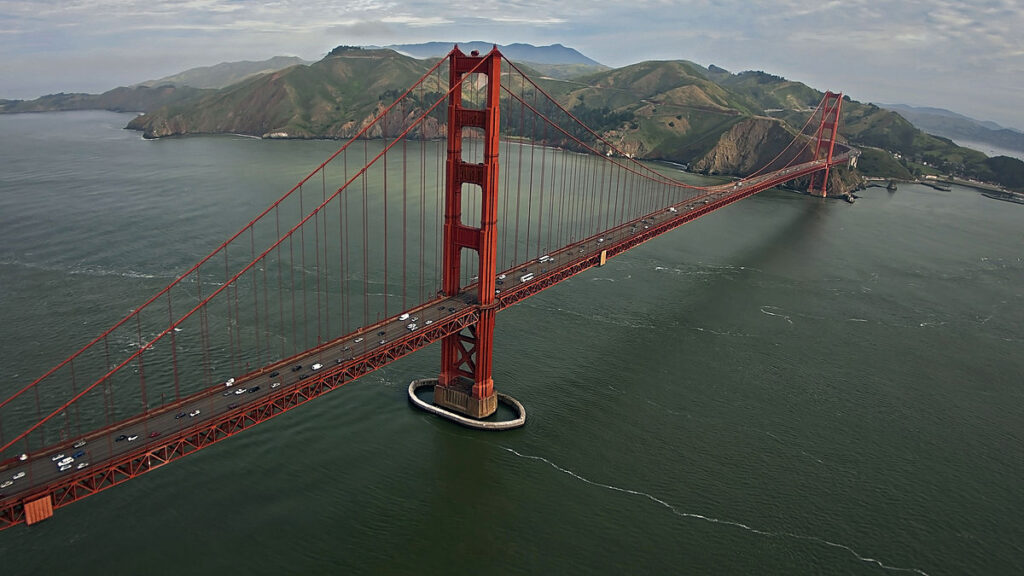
(509, 401)
(458, 396)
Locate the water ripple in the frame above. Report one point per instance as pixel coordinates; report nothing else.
(713, 520)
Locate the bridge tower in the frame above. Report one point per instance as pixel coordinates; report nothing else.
(826, 140)
(465, 384)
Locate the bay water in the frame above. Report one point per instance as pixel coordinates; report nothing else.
(790, 385)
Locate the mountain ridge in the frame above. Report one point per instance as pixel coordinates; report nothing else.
(666, 110)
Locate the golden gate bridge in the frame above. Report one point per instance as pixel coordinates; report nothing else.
(400, 239)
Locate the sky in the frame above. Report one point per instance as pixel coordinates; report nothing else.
(963, 55)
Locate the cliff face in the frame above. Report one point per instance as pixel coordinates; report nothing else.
(757, 142)
(749, 145)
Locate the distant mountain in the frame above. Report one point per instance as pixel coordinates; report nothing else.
(226, 73)
(556, 60)
(959, 127)
(136, 99)
(154, 94)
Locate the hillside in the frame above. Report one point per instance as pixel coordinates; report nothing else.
(332, 98)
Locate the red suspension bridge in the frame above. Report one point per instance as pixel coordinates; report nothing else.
(398, 240)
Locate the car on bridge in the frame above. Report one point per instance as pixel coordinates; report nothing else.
(317, 366)
(195, 412)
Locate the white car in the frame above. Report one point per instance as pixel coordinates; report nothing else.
(403, 317)
(275, 384)
(19, 475)
(428, 322)
(195, 412)
(65, 468)
(82, 465)
(239, 391)
(357, 340)
(133, 437)
(230, 382)
(6, 484)
(66, 461)
(78, 444)
(317, 366)
(412, 326)
(57, 457)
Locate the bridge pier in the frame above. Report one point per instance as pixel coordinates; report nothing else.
(458, 396)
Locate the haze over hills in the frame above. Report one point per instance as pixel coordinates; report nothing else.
(226, 73)
(706, 117)
(955, 126)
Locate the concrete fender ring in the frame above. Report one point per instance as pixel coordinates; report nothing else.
(463, 420)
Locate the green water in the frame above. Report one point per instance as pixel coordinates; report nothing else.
(787, 386)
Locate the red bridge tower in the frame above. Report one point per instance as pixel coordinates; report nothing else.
(826, 141)
(465, 383)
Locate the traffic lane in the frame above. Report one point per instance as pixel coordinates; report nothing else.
(40, 469)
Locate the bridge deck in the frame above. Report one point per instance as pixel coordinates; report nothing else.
(173, 431)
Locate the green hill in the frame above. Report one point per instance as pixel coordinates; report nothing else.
(332, 98)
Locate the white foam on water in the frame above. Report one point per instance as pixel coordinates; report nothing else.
(713, 520)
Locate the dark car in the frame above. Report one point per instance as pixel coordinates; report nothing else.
(297, 367)
(232, 406)
(121, 437)
(274, 374)
(180, 415)
(78, 454)
(154, 434)
(254, 389)
(303, 376)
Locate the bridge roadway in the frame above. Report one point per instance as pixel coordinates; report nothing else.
(172, 431)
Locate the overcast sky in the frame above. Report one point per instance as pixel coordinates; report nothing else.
(963, 55)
